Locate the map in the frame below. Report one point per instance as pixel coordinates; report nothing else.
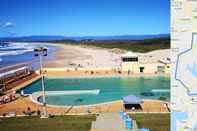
(184, 68)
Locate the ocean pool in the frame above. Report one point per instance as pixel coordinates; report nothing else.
(110, 89)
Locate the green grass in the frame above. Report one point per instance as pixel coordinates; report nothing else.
(155, 122)
(58, 123)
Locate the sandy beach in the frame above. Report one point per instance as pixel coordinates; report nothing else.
(75, 56)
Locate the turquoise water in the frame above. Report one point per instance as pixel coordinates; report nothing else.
(111, 89)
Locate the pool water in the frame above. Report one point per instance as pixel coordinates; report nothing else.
(111, 89)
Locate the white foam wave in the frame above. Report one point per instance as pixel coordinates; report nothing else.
(4, 53)
(19, 48)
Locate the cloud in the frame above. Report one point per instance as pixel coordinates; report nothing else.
(8, 25)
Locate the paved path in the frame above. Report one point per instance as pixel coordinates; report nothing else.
(110, 122)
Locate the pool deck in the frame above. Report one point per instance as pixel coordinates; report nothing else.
(22, 103)
(94, 72)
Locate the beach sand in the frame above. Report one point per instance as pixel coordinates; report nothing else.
(75, 56)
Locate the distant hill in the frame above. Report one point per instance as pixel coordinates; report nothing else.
(123, 37)
(144, 45)
(64, 38)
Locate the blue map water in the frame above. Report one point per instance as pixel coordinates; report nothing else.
(175, 116)
(195, 126)
(192, 69)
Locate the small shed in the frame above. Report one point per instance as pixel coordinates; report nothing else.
(132, 101)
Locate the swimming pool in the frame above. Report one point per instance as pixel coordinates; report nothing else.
(110, 89)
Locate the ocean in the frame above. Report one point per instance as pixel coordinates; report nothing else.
(14, 53)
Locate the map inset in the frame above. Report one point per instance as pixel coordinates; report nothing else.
(186, 68)
(184, 58)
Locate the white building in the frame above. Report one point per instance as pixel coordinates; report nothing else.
(130, 63)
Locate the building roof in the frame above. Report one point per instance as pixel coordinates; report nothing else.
(129, 54)
(165, 61)
(131, 99)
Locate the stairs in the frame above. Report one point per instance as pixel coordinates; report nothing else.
(110, 122)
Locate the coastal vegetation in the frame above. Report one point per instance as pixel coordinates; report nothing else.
(57, 123)
(142, 46)
(131, 45)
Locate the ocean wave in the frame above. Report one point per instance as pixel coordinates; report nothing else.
(19, 48)
(24, 46)
(4, 53)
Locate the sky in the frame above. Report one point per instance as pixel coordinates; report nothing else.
(84, 17)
